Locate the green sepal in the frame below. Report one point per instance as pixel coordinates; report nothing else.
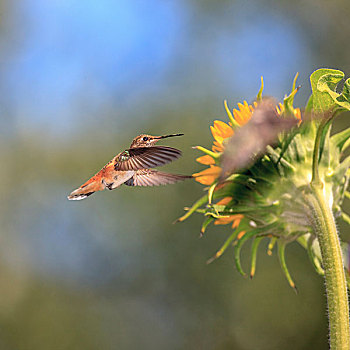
(312, 256)
(206, 151)
(241, 209)
(289, 100)
(259, 95)
(221, 193)
(255, 246)
(341, 139)
(345, 217)
(211, 192)
(282, 259)
(237, 251)
(285, 145)
(253, 232)
(300, 151)
(341, 170)
(201, 201)
(310, 244)
(271, 245)
(324, 143)
(275, 158)
(347, 277)
(230, 116)
(221, 251)
(206, 223)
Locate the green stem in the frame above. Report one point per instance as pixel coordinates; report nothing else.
(337, 298)
(316, 155)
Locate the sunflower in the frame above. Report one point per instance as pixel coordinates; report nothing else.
(222, 131)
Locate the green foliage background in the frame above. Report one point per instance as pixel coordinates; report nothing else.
(132, 279)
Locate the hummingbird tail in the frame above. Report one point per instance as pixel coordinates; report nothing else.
(87, 189)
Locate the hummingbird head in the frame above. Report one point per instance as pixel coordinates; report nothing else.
(148, 140)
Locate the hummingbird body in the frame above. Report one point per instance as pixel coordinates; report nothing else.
(132, 167)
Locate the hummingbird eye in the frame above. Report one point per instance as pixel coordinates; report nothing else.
(145, 138)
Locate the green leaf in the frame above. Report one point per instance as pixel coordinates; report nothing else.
(328, 83)
(324, 96)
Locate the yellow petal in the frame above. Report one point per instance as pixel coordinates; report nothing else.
(241, 234)
(208, 176)
(224, 201)
(221, 131)
(224, 129)
(206, 160)
(223, 221)
(217, 147)
(244, 113)
(297, 113)
(235, 219)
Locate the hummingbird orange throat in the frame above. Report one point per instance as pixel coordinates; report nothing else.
(133, 167)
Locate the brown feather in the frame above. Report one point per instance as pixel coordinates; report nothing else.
(145, 157)
(149, 177)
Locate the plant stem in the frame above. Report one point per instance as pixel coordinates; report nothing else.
(337, 298)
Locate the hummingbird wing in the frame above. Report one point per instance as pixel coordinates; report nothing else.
(145, 157)
(150, 177)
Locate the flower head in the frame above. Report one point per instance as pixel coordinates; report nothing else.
(266, 198)
(221, 132)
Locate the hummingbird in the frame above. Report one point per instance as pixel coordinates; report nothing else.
(133, 167)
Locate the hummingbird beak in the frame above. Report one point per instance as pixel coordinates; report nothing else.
(165, 136)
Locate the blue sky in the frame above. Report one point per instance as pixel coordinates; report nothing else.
(75, 56)
(68, 60)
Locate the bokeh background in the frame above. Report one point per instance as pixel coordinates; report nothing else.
(79, 80)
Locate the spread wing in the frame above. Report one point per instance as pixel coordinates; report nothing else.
(145, 157)
(149, 177)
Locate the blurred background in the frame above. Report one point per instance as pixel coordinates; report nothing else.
(79, 80)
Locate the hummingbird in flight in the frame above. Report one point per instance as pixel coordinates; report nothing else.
(134, 167)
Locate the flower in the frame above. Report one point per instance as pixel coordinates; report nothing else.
(221, 131)
(273, 197)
